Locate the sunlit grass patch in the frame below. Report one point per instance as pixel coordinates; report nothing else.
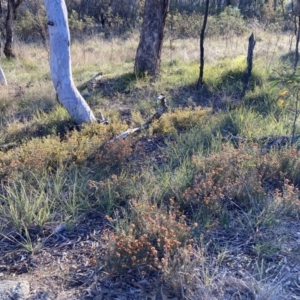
(248, 123)
(178, 73)
(179, 120)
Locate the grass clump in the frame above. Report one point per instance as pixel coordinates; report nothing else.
(179, 120)
(25, 206)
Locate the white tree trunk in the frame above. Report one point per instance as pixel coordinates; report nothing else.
(60, 63)
(2, 77)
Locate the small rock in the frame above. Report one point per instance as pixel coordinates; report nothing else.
(17, 290)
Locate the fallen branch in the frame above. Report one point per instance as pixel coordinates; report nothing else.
(90, 84)
(161, 99)
(8, 146)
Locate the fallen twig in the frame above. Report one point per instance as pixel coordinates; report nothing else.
(90, 83)
(161, 99)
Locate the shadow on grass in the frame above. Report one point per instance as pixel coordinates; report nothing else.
(54, 127)
(216, 93)
(110, 86)
(220, 94)
(288, 58)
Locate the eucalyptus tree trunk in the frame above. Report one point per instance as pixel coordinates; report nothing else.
(148, 53)
(2, 77)
(12, 6)
(60, 63)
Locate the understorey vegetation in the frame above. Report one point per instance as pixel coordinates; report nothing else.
(204, 204)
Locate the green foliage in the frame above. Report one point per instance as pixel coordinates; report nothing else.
(183, 24)
(289, 96)
(187, 24)
(249, 123)
(30, 26)
(228, 23)
(78, 24)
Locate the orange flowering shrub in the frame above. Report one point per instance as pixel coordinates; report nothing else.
(231, 174)
(113, 154)
(78, 147)
(240, 175)
(150, 241)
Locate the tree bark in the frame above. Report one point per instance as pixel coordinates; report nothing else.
(1, 11)
(297, 44)
(247, 76)
(60, 63)
(12, 6)
(202, 37)
(2, 77)
(148, 53)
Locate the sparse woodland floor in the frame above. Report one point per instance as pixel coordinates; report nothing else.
(196, 207)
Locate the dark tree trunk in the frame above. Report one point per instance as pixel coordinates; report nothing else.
(148, 53)
(0, 16)
(12, 6)
(202, 36)
(251, 46)
(297, 44)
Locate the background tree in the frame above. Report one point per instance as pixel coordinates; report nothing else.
(296, 11)
(60, 63)
(0, 27)
(148, 53)
(202, 36)
(12, 6)
(2, 77)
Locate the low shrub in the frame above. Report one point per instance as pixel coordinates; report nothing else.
(147, 239)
